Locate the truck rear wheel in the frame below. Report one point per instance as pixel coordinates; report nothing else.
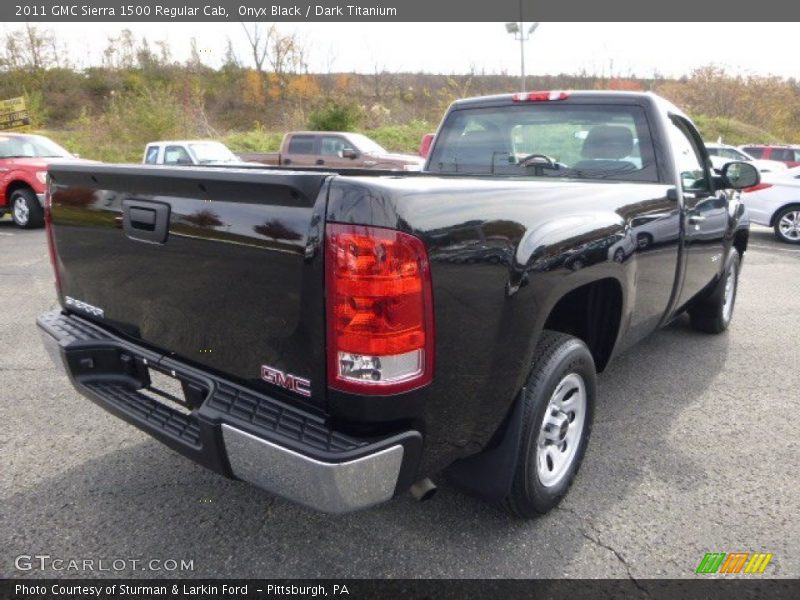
(558, 406)
(25, 209)
(713, 314)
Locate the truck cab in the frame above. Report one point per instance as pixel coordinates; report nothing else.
(335, 150)
(188, 153)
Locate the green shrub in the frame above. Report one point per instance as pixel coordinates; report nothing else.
(335, 116)
(401, 138)
(255, 140)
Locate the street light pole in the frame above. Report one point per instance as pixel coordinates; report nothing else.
(519, 33)
(522, 39)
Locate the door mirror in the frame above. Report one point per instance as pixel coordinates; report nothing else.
(350, 153)
(740, 175)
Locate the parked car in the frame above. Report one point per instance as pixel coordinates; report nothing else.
(789, 155)
(335, 149)
(190, 152)
(425, 144)
(24, 159)
(656, 228)
(722, 154)
(340, 338)
(775, 202)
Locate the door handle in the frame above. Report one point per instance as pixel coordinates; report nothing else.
(287, 161)
(320, 161)
(145, 221)
(696, 219)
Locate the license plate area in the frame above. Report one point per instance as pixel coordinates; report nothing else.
(168, 391)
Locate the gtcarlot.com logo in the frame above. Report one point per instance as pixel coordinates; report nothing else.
(734, 562)
(45, 562)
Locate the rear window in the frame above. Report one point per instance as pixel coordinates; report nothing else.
(549, 140)
(152, 155)
(301, 144)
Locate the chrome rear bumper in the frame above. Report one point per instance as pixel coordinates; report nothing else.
(329, 487)
(293, 454)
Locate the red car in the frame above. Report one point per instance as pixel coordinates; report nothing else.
(24, 159)
(785, 154)
(425, 145)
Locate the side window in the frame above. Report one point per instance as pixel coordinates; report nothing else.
(689, 158)
(754, 151)
(333, 145)
(797, 154)
(152, 155)
(176, 155)
(781, 154)
(301, 144)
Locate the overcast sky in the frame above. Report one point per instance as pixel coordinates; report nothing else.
(671, 49)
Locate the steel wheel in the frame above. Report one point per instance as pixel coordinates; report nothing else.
(561, 431)
(21, 211)
(789, 225)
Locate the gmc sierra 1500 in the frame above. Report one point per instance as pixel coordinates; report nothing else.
(340, 336)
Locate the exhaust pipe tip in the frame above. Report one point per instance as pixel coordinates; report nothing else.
(424, 489)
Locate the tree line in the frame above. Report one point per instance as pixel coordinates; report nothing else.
(140, 92)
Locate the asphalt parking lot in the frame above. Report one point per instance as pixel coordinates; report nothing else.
(696, 448)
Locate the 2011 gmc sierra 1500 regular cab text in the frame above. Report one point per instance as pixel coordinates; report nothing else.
(340, 337)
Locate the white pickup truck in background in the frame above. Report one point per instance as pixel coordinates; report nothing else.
(190, 152)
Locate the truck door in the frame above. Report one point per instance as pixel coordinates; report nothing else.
(705, 210)
(332, 151)
(177, 155)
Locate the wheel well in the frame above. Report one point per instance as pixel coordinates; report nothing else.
(775, 214)
(740, 241)
(591, 313)
(14, 186)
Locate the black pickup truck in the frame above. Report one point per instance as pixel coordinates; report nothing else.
(340, 337)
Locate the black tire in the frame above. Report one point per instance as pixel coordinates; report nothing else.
(558, 356)
(644, 240)
(711, 314)
(33, 216)
(776, 227)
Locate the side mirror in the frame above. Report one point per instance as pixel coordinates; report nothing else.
(76, 155)
(350, 153)
(740, 175)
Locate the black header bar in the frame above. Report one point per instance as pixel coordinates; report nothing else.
(712, 11)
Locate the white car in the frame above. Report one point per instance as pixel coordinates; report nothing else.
(722, 154)
(775, 202)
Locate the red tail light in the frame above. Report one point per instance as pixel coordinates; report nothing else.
(379, 310)
(51, 242)
(757, 188)
(539, 96)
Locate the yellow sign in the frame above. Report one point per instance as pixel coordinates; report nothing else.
(14, 113)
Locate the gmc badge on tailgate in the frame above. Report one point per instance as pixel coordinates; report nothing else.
(286, 380)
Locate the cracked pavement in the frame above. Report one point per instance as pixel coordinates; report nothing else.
(695, 449)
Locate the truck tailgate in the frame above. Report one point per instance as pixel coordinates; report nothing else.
(220, 267)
